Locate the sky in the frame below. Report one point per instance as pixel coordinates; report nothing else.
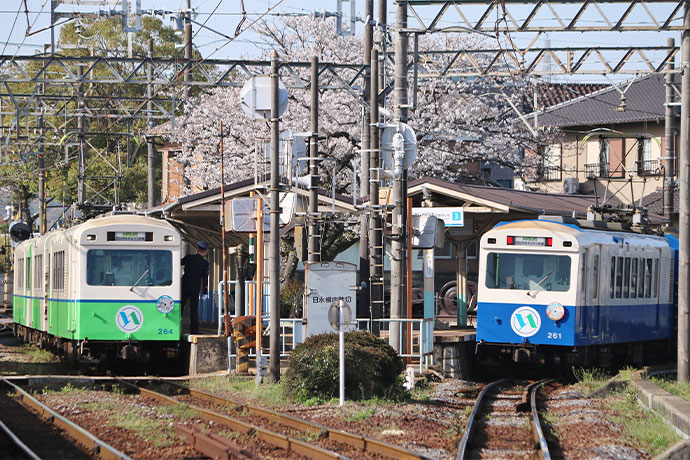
(224, 15)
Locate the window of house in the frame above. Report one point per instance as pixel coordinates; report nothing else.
(551, 162)
(604, 156)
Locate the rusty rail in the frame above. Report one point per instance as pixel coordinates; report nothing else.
(99, 448)
(355, 440)
(276, 439)
(212, 446)
(17, 443)
(528, 402)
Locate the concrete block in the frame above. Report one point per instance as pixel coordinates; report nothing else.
(678, 451)
(647, 390)
(451, 352)
(675, 409)
(208, 353)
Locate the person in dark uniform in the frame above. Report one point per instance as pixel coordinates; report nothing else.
(194, 280)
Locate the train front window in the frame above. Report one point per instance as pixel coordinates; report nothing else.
(539, 272)
(125, 267)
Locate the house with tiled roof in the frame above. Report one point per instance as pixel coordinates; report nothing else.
(612, 144)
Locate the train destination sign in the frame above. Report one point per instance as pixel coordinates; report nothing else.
(130, 236)
(529, 240)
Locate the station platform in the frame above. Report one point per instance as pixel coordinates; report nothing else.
(452, 349)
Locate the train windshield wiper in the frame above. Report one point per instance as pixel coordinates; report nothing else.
(140, 278)
(533, 292)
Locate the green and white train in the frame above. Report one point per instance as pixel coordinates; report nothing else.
(106, 289)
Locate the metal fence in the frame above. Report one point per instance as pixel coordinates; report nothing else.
(292, 329)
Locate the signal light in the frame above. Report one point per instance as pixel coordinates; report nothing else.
(549, 241)
(511, 240)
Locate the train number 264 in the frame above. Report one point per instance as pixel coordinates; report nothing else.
(164, 331)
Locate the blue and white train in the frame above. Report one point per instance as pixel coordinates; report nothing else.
(552, 288)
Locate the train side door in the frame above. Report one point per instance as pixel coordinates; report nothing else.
(594, 298)
(46, 289)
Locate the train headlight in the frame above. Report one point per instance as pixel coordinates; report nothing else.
(165, 304)
(555, 311)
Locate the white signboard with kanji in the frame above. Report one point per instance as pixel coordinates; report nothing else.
(326, 283)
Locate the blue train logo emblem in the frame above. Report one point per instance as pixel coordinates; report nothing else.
(525, 321)
(129, 319)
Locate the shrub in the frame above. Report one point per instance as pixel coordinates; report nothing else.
(372, 368)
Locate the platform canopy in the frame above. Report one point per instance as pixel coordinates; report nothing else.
(197, 216)
(483, 207)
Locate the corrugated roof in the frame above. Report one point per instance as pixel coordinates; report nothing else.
(645, 102)
(536, 202)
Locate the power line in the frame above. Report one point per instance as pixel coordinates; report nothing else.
(13, 24)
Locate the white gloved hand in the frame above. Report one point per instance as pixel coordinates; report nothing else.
(204, 297)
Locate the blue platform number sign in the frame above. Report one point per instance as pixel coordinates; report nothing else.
(451, 216)
(129, 319)
(525, 321)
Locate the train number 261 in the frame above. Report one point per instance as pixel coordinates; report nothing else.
(554, 335)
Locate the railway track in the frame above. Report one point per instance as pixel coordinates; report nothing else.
(37, 441)
(504, 424)
(302, 437)
(12, 446)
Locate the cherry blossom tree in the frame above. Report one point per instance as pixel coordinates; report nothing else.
(457, 121)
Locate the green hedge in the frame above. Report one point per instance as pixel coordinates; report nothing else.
(372, 368)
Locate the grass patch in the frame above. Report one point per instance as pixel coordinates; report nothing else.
(38, 355)
(363, 414)
(181, 410)
(681, 389)
(270, 395)
(643, 429)
(589, 380)
(153, 431)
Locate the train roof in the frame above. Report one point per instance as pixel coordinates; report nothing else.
(102, 221)
(582, 235)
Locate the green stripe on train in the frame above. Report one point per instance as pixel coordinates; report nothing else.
(108, 320)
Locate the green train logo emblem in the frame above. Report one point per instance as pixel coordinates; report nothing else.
(129, 319)
(525, 321)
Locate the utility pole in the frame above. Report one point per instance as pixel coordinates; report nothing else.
(187, 45)
(670, 151)
(274, 246)
(400, 190)
(81, 174)
(314, 243)
(383, 23)
(375, 209)
(684, 206)
(364, 294)
(151, 189)
(42, 168)
(224, 292)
